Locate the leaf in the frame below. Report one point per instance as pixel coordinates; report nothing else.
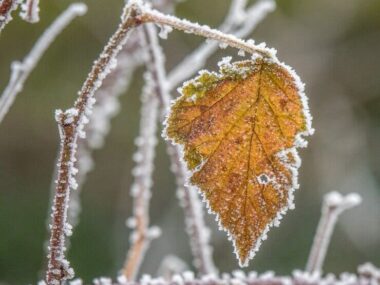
(239, 130)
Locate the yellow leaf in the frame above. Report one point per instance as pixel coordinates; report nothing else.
(239, 130)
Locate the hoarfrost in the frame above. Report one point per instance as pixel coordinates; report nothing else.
(30, 11)
(334, 204)
(164, 31)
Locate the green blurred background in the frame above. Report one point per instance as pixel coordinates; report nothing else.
(333, 45)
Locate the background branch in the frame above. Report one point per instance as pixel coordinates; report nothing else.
(21, 70)
(141, 188)
(333, 205)
(197, 59)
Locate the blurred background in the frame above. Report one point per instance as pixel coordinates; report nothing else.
(335, 48)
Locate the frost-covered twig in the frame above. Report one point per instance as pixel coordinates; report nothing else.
(141, 188)
(30, 11)
(197, 59)
(147, 15)
(196, 228)
(298, 277)
(21, 70)
(71, 123)
(105, 109)
(6, 9)
(333, 205)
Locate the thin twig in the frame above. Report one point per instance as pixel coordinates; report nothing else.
(30, 11)
(71, 123)
(149, 15)
(21, 70)
(333, 205)
(196, 228)
(141, 188)
(365, 276)
(105, 109)
(6, 9)
(197, 59)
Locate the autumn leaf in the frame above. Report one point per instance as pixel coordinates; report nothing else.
(239, 130)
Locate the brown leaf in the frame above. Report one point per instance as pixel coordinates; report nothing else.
(239, 130)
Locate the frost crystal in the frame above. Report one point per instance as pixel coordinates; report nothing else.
(164, 31)
(30, 11)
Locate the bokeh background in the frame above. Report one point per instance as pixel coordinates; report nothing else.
(333, 45)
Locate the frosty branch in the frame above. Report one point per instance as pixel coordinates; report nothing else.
(71, 124)
(141, 189)
(334, 204)
(367, 274)
(147, 15)
(195, 226)
(21, 70)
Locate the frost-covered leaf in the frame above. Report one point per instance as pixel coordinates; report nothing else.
(239, 130)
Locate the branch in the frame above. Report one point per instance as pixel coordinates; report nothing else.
(147, 15)
(197, 59)
(71, 123)
(367, 275)
(334, 204)
(105, 109)
(6, 9)
(196, 228)
(141, 188)
(30, 11)
(20, 71)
